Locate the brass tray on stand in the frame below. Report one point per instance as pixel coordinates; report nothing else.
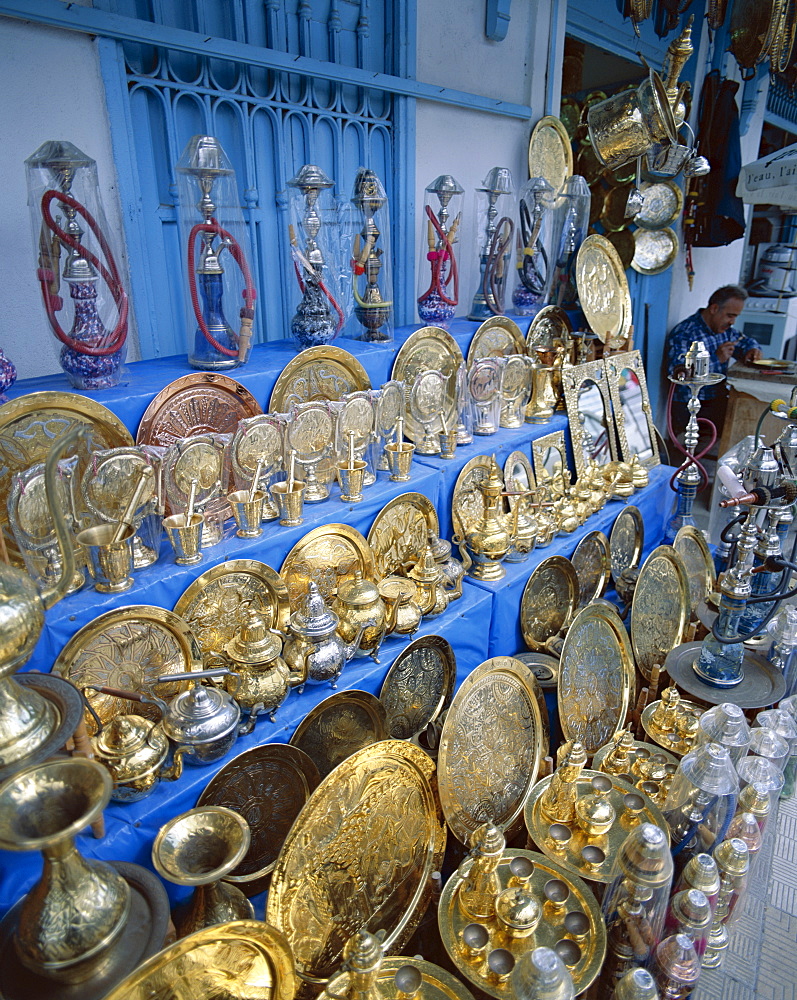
(326, 372)
(603, 290)
(549, 601)
(626, 540)
(660, 608)
(399, 533)
(550, 152)
(497, 337)
(691, 546)
(429, 349)
(549, 327)
(592, 564)
(419, 686)
(328, 554)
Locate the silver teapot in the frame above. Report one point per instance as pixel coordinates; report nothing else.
(314, 651)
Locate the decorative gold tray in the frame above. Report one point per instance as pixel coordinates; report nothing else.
(355, 417)
(660, 608)
(360, 855)
(429, 349)
(592, 564)
(654, 250)
(751, 29)
(419, 685)
(603, 289)
(626, 540)
(109, 480)
(672, 739)
(329, 554)
(493, 739)
(550, 152)
(202, 457)
(128, 648)
(650, 769)
(497, 337)
(326, 372)
(267, 786)
(661, 205)
(339, 726)
(257, 438)
(215, 604)
(467, 504)
(691, 546)
(550, 931)
(398, 535)
(550, 327)
(549, 601)
(518, 475)
(240, 960)
(596, 677)
(395, 974)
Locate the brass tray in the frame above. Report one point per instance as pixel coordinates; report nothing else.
(389, 408)
(256, 438)
(467, 504)
(596, 677)
(654, 250)
(672, 741)
(592, 565)
(623, 243)
(497, 337)
(214, 605)
(30, 425)
(493, 739)
(603, 289)
(326, 372)
(399, 533)
(418, 686)
(109, 480)
(645, 762)
(202, 403)
(202, 457)
(751, 30)
(240, 960)
(550, 327)
(626, 540)
(661, 205)
(660, 608)
(691, 546)
(355, 416)
(328, 554)
(360, 855)
(128, 648)
(429, 349)
(339, 726)
(549, 601)
(550, 152)
(267, 785)
(436, 983)
(550, 930)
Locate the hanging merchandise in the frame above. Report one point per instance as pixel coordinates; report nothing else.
(213, 283)
(536, 246)
(370, 260)
(67, 217)
(438, 287)
(495, 229)
(8, 375)
(572, 213)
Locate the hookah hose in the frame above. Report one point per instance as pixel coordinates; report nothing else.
(247, 313)
(53, 302)
(690, 458)
(325, 291)
(437, 258)
(530, 276)
(495, 254)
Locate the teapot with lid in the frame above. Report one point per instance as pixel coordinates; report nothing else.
(314, 650)
(134, 750)
(360, 608)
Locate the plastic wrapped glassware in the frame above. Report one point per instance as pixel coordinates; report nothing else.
(725, 724)
(701, 873)
(733, 862)
(701, 800)
(766, 744)
(677, 967)
(636, 984)
(536, 241)
(541, 975)
(690, 913)
(784, 725)
(745, 826)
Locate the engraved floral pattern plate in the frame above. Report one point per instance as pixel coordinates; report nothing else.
(329, 555)
(691, 546)
(603, 289)
(660, 608)
(256, 438)
(550, 327)
(326, 372)
(467, 504)
(428, 349)
(493, 739)
(550, 152)
(340, 726)
(626, 540)
(592, 565)
(661, 205)
(398, 535)
(497, 337)
(654, 250)
(418, 686)
(549, 601)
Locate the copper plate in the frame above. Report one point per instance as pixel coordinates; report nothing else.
(360, 855)
(215, 604)
(493, 739)
(596, 676)
(267, 785)
(626, 540)
(549, 601)
(497, 337)
(467, 504)
(654, 250)
(660, 608)
(418, 686)
(550, 152)
(661, 205)
(592, 565)
(691, 546)
(329, 555)
(399, 533)
(603, 289)
(326, 372)
(202, 403)
(429, 349)
(340, 726)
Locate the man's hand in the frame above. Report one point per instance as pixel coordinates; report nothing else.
(754, 354)
(725, 351)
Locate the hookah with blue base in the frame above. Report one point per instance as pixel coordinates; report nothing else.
(437, 304)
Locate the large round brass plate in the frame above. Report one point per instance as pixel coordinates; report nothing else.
(326, 372)
(591, 563)
(360, 855)
(603, 289)
(493, 739)
(549, 601)
(329, 555)
(467, 503)
(654, 250)
(398, 535)
(691, 546)
(660, 608)
(596, 675)
(418, 686)
(429, 349)
(550, 152)
(626, 540)
(550, 327)
(497, 337)
(339, 726)
(751, 29)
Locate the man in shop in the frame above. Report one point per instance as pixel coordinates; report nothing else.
(714, 326)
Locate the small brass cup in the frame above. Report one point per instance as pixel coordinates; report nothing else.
(247, 513)
(351, 481)
(448, 444)
(556, 892)
(399, 457)
(185, 537)
(521, 870)
(475, 939)
(500, 963)
(290, 503)
(593, 857)
(559, 836)
(110, 563)
(568, 951)
(408, 981)
(577, 926)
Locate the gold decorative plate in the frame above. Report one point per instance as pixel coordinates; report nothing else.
(626, 540)
(660, 608)
(109, 480)
(751, 30)
(359, 856)
(241, 960)
(355, 417)
(339, 726)
(202, 457)
(592, 565)
(661, 205)
(390, 407)
(467, 504)
(654, 250)
(549, 328)
(497, 337)
(493, 739)
(691, 546)
(202, 403)
(436, 983)
(214, 605)
(268, 786)
(550, 152)
(596, 677)
(398, 535)
(549, 601)
(603, 289)
(128, 648)
(257, 438)
(518, 475)
(329, 554)
(418, 686)
(326, 372)
(429, 349)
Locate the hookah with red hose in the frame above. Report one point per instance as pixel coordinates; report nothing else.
(438, 272)
(63, 195)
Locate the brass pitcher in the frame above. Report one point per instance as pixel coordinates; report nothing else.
(261, 678)
(432, 597)
(488, 541)
(359, 606)
(626, 125)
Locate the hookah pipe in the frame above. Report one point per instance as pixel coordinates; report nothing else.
(530, 276)
(493, 270)
(312, 274)
(690, 459)
(53, 303)
(438, 259)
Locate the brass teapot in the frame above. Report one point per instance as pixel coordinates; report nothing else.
(403, 593)
(488, 541)
(361, 609)
(314, 650)
(134, 750)
(432, 596)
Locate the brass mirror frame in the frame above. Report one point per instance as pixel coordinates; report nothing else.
(572, 379)
(556, 439)
(616, 363)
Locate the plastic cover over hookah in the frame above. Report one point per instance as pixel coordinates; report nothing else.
(219, 282)
(74, 243)
(438, 271)
(725, 724)
(495, 228)
(541, 975)
(536, 238)
(371, 265)
(571, 225)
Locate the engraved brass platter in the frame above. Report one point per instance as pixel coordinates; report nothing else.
(691, 546)
(550, 327)
(360, 855)
(467, 504)
(654, 250)
(202, 403)
(592, 565)
(661, 205)
(626, 540)
(497, 337)
(398, 535)
(596, 677)
(751, 27)
(326, 372)
(215, 604)
(339, 726)
(418, 686)
(109, 480)
(328, 554)
(660, 608)
(550, 152)
(549, 601)
(429, 349)
(436, 983)
(240, 960)
(603, 289)
(493, 739)
(549, 932)
(267, 786)
(257, 438)
(128, 648)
